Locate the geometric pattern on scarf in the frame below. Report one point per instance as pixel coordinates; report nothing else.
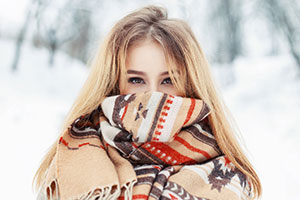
(147, 145)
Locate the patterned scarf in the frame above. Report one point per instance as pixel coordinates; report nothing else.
(143, 146)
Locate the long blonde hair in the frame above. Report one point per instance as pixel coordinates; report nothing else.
(188, 69)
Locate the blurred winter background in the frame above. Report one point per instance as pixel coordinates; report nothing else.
(252, 46)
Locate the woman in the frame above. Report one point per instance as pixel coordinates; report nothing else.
(148, 123)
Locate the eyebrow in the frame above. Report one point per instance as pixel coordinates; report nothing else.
(143, 73)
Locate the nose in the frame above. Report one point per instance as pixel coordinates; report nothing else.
(153, 87)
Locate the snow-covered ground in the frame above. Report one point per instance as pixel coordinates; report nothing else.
(33, 103)
(265, 101)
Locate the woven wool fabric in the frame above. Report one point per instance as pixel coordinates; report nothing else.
(147, 145)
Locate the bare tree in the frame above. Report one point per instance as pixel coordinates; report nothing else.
(68, 22)
(78, 46)
(22, 34)
(225, 18)
(285, 18)
(224, 21)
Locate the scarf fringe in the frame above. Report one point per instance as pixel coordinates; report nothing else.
(105, 194)
(128, 190)
(51, 193)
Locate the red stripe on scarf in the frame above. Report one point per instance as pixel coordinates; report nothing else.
(136, 196)
(140, 196)
(62, 140)
(191, 109)
(80, 145)
(125, 110)
(190, 147)
(134, 145)
(164, 148)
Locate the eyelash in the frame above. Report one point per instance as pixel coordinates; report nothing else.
(131, 80)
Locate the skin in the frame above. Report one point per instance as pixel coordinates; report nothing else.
(146, 70)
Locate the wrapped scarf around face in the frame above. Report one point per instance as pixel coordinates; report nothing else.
(143, 146)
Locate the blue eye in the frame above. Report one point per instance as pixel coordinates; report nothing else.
(167, 81)
(136, 80)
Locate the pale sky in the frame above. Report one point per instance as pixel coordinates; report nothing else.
(12, 11)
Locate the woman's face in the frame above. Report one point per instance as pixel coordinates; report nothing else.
(146, 70)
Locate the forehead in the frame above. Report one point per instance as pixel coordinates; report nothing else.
(146, 56)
